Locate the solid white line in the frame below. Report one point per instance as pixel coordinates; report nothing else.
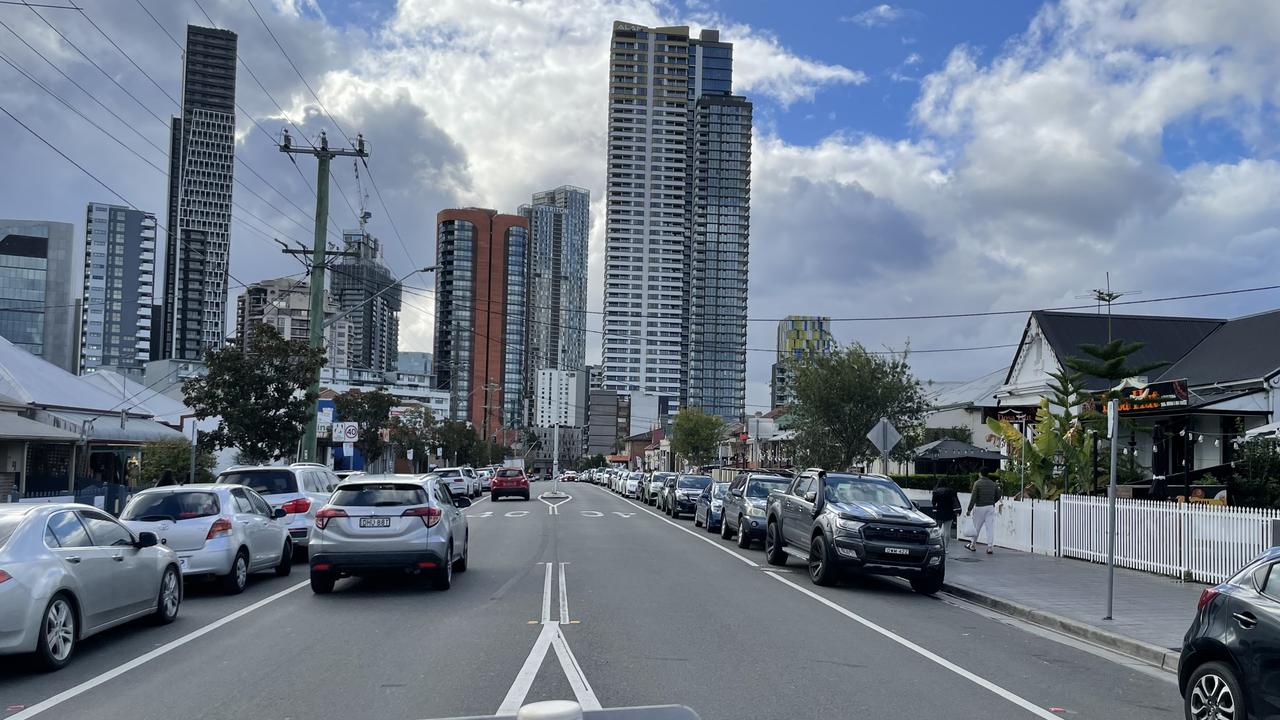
(546, 596)
(703, 538)
(923, 652)
(582, 691)
(119, 670)
(529, 671)
(564, 598)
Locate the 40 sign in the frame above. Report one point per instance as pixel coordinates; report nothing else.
(346, 432)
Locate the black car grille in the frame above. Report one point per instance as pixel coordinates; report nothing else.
(897, 534)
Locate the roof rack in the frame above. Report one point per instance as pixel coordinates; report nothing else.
(308, 464)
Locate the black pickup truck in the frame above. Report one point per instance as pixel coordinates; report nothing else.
(860, 523)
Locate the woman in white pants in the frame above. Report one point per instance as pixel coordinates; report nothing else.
(982, 506)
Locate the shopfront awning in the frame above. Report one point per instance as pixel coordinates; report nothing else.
(16, 427)
(107, 428)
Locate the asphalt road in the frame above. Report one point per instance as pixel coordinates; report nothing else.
(600, 599)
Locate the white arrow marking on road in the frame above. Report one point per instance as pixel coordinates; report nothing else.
(550, 638)
(591, 513)
(622, 514)
(553, 508)
(486, 513)
(517, 513)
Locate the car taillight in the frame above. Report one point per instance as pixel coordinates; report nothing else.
(322, 517)
(430, 515)
(220, 527)
(1206, 595)
(5, 576)
(300, 505)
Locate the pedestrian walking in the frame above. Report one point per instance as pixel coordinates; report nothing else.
(982, 506)
(946, 508)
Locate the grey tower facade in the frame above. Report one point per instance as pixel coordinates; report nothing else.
(201, 162)
(38, 308)
(363, 285)
(119, 288)
(667, 195)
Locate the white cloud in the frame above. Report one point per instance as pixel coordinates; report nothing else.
(912, 59)
(880, 15)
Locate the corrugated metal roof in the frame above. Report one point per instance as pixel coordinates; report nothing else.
(1167, 338)
(16, 427)
(32, 380)
(136, 397)
(106, 428)
(979, 392)
(1245, 348)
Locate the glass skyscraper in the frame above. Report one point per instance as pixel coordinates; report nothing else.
(38, 308)
(119, 288)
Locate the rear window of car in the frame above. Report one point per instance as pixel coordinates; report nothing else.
(379, 495)
(448, 474)
(171, 506)
(509, 473)
(9, 522)
(694, 482)
(263, 482)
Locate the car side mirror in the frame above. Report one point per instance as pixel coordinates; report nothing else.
(915, 504)
(278, 513)
(462, 502)
(146, 539)
(811, 496)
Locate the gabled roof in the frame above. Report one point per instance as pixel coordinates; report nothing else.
(1246, 348)
(645, 436)
(1167, 338)
(35, 381)
(136, 397)
(979, 392)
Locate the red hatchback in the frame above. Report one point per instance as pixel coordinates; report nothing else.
(509, 481)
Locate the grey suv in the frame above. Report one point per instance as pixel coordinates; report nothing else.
(743, 512)
(389, 523)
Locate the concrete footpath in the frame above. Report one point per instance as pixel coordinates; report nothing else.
(1151, 613)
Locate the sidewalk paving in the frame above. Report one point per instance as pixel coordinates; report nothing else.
(1151, 613)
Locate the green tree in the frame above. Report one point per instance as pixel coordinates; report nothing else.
(414, 430)
(259, 393)
(458, 441)
(595, 461)
(175, 456)
(1057, 460)
(1257, 479)
(838, 399)
(695, 435)
(1110, 361)
(373, 411)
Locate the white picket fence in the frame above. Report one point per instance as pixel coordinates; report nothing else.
(1207, 543)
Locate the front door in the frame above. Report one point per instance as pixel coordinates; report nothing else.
(797, 513)
(1261, 642)
(91, 567)
(134, 582)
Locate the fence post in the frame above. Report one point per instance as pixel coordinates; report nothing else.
(1184, 539)
(1274, 539)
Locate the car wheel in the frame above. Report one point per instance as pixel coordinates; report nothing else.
(1213, 692)
(929, 583)
(526, 497)
(57, 638)
(724, 528)
(744, 537)
(285, 566)
(321, 582)
(169, 598)
(710, 528)
(234, 582)
(696, 521)
(772, 544)
(444, 576)
(821, 570)
(460, 565)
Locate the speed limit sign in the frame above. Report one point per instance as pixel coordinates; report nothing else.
(346, 431)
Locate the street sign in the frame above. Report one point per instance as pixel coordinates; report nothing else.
(346, 431)
(348, 449)
(409, 453)
(884, 436)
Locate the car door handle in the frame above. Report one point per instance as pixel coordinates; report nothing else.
(72, 558)
(1246, 619)
(118, 558)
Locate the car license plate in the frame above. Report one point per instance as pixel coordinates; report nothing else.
(182, 563)
(375, 522)
(897, 551)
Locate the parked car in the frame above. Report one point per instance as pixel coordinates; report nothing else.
(653, 487)
(681, 495)
(509, 481)
(710, 504)
(864, 523)
(486, 478)
(70, 571)
(631, 485)
(473, 481)
(455, 479)
(569, 476)
(390, 523)
(220, 530)
(1230, 653)
(300, 489)
(743, 512)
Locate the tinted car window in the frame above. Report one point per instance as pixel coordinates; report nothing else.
(719, 490)
(509, 472)
(380, 495)
(241, 500)
(8, 523)
(802, 486)
(69, 531)
(760, 487)
(171, 506)
(694, 482)
(260, 506)
(265, 482)
(106, 532)
(1270, 585)
(444, 496)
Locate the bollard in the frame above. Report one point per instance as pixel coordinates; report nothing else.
(550, 710)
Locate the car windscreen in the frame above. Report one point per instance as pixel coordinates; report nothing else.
(9, 522)
(263, 482)
(760, 487)
(149, 507)
(719, 490)
(852, 488)
(378, 495)
(449, 474)
(512, 472)
(660, 477)
(693, 482)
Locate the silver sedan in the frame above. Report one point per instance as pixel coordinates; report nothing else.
(68, 571)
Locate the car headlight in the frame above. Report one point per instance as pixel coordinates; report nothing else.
(755, 511)
(850, 525)
(935, 533)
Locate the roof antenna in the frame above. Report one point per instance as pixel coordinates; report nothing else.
(1108, 296)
